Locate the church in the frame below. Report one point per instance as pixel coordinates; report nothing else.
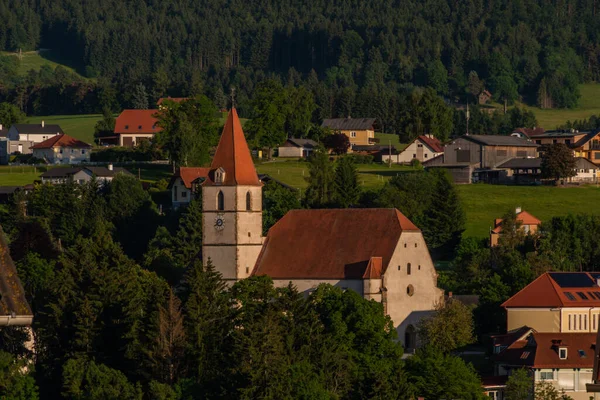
(378, 253)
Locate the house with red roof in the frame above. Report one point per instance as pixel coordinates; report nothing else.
(185, 184)
(526, 222)
(134, 126)
(62, 149)
(422, 148)
(378, 253)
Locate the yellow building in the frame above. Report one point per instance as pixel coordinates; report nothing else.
(360, 131)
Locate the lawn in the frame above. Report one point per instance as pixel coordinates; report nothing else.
(294, 173)
(483, 203)
(387, 138)
(589, 104)
(36, 59)
(19, 176)
(79, 126)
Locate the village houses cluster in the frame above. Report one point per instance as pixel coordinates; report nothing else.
(379, 253)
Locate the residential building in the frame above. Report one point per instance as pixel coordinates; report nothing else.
(360, 131)
(36, 133)
(525, 221)
(185, 183)
(484, 97)
(379, 253)
(82, 175)
(476, 157)
(563, 302)
(527, 133)
(62, 149)
(529, 171)
(134, 126)
(565, 360)
(297, 148)
(422, 148)
(14, 308)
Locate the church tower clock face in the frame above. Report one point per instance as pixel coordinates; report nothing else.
(220, 222)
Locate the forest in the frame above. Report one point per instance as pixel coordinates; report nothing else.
(357, 58)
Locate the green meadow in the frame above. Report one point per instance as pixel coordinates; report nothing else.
(34, 60)
(78, 126)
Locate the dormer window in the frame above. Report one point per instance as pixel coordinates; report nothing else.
(139, 127)
(220, 176)
(562, 353)
(126, 126)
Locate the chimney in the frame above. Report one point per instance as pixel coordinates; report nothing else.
(110, 167)
(43, 123)
(518, 210)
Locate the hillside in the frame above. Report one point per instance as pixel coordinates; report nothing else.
(35, 60)
(79, 126)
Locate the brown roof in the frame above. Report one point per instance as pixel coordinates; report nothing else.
(189, 174)
(137, 121)
(524, 218)
(233, 155)
(374, 268)
(61, 140)
(540, 350)
(332, 243)
(529, 132)
(559, 289)
(433, 143)
(344, 124)
(173, 99)
(12, 295)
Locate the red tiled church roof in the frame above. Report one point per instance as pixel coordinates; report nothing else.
(61, 140)
(233, 155)
(137, 121)
(332, 243)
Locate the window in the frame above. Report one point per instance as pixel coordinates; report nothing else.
(425, 155)
(220, 201)
(61, 151)
(547, 375)
(410, 290)
(126, 126)
(415, 245)
(408, 269)
(248, 201)
(562, 353)
(419, 268)
(247, 270)
(82, 151)
(419, 145)
(597, 156)
(568, 141)
(405, 245)
(538, 142)
(139, 127)
(414, 155)
(352, 134)
(399, 267)
(183, 194)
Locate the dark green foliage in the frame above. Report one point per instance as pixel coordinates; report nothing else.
(321, 180)
(436, 375)
(10, 114)
(558, 162)
(16, 379)
(519, 385)
(347, 188)
(277, 201)
(337, 142)
(139, 97)
(106, 126)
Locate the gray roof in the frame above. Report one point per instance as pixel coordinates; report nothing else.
(9, 189)
(60, 172)
(588, 136)
(307, 143)
(345, 124)
(584, 163)
(105, 172)
(519, 162)
(38, 128)
(499, 140)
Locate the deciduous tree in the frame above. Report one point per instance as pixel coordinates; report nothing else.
(558, 162)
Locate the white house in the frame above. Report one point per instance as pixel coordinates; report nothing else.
(36, 133)
(423, 148)
(62, 149)
(185, 184)
(297, 148)
(82, 175)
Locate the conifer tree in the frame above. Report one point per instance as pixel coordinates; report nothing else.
(321, 187)
(139, 99)
(347, 188)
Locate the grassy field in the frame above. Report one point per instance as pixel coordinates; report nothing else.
(79, 126)
(294, 173)
(589, 104)
(19, 176)
(36, 59)
(483, 203)
(386, 138)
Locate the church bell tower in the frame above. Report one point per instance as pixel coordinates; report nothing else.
(232, 206)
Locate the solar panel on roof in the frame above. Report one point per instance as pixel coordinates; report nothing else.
(572, 280)
(582, 295)
(570, 296)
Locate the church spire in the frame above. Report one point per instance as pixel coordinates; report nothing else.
(233, 156)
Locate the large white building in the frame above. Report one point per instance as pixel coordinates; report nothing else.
(376, 252)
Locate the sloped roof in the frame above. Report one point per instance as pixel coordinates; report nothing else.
(584, 163)
(374, 268)
(137, 121)
(61, 140)
(233, 155)
(540, 350)
(38, 128)
(433, 143)
(12, 295)
(529, 132)
(332, 243)
(104, 172)
(307, 143)
(523, 217)
(559, 289)
(345, 124)
(60, 172)
(588, 136)
(189, 174)
(499, 140)
(522, 163)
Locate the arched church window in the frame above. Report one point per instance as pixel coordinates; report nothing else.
(220, 201)
(248, 201)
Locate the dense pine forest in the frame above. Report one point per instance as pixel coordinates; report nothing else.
(357, 58)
